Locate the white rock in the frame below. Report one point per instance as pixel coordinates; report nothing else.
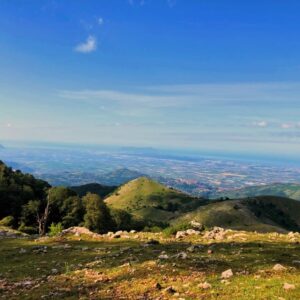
(227, 274)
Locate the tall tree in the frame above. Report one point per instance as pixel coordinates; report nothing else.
(97, 217)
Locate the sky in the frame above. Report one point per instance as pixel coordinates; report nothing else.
(193, 74)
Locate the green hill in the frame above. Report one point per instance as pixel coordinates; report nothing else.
(151, 201)
(263, 214)
(95, 188)
(289, 190)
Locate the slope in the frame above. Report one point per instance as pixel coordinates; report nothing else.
(263, 214)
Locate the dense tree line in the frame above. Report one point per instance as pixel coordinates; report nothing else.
(32, 205)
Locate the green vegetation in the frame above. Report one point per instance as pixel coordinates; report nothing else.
(261, 214)
(288, 190)
(94, 188)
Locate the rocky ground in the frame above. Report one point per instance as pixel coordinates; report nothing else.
(194, 264)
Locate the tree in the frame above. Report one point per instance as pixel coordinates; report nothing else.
(72, 211)
(97, 216)
(122, 219)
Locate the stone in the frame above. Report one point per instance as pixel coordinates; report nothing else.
(205, 285)
(279, 267)
(227, 274)
(163, 256)
(180, 234)
(288, 286)
(22, 251)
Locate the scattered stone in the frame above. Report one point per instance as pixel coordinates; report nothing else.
(170, 290)
(158, 286)
(163, 256)
(288, 286)
(279, 267)
(197, 225)
(22, 251)
(181, 255)
(217, 233)
(227, 274)
(180, 234)
(54, 271)
(210, 251)
(205, 285)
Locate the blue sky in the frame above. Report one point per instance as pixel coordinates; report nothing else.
(207, 75)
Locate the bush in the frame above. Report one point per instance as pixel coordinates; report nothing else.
(55, 229)
(171, 230)
(7, 221)
(28, 229)
(154, 229)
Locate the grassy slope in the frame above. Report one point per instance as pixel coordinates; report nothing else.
(261, 213)
(99, 269)
(148, 199)
(277, 189)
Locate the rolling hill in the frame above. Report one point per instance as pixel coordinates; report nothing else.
(263, 214)
(151, 201)
(289, 190)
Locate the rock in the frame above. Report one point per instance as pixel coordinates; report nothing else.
(205, 285)
(227, 274)
(180, 234)
(192, 232)
(163, 256)
(279, 267)
(182, 255)
(116, 236)
(191, 248)
(22, 251)
(288, 286)
(132, 231)
(217, 233)
(54, 271)
(76, 230)
(170, 290)
(158, 286)
(196, 225)
(210, 251)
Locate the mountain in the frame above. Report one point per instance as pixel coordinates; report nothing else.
(263, 214)
(151, 201)
(289, 190)
(95, 188)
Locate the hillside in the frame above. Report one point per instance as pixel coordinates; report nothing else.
(95, 188)
(289, 190)
(151, 201)
(263, 214)
(16, 189)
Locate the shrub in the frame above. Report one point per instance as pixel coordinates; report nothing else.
(7, 221)
(28, 229)
(171, 230)
(55, 229)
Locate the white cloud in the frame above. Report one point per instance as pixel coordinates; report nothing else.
(88, 46)
(100, 21)
(261, 124)
(287, 125)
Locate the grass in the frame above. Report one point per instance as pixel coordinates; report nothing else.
(125, 269)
